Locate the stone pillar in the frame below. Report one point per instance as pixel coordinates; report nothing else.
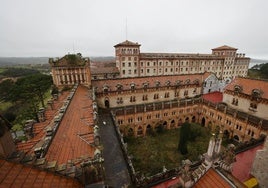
(41, 115)
(211, 146)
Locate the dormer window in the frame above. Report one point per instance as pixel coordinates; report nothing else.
(255, 94)
(105, 89)
(237, 89)
(132, 86)
(145, 86)
(178, 82)
(119, 87)
(168, 83)
(187, 81)
(157, 84)
(196, 82)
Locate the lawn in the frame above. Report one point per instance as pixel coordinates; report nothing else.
(4, 105)
(150, 153)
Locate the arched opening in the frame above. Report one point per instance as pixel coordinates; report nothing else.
(130, 132)
(236, 138)
(165, 125)
(179, 122)
(139, 132)
(193, 119)
(107, 103)
(226, 134)
(210, 126)
(203, 122)
(148, 129)
(187, 119)
(172, 123)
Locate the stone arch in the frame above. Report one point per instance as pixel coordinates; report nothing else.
(107, 103)
(187, 119)
(164, 124)
(179, 122)
(148, 129)
(172, 123)
(139, 131)
(160, 126)
(203, 122)
(193, 119)
(130, 132)
(210, 125)
(226, 134)
(236, 138)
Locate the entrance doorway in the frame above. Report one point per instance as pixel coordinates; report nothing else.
(107, 103)
(203, 122)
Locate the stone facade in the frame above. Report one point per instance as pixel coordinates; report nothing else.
(212, 84)
(70, 70)
(248, 95)
(260, 166)
(224, 61)
(150, 100)
(142, 90)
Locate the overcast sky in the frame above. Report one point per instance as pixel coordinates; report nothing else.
(55, 27)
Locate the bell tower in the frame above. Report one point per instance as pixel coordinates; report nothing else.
(127, 56)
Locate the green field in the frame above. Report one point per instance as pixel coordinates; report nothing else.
(149, 154)
(2, 70)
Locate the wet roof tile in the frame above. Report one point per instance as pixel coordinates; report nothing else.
(243, 164)
(248, 85)
(212, 179)
(214, 97)
(67, 144)
(18, 175)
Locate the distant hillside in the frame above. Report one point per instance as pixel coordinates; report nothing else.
(5, 61)
(256, 62)
(103, 58)
(9, 61)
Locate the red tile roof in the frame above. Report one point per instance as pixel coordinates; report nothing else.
(214, 97)
(127, 43)
(100, 70)
(39, 128)
(244, 162)
(18, 175)
(248, 85)
(75, 131)
(212, 179)
(224, 47)
(139, 81)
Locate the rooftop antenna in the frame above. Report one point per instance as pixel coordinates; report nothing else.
(126, 28)
(73, 49)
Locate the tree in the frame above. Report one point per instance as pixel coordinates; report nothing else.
(264, 70)
(29, 92)
(5, 88)
(184, 138)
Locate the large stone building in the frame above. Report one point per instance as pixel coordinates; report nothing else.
(224, 61)
(158, 89)
(154, 91)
